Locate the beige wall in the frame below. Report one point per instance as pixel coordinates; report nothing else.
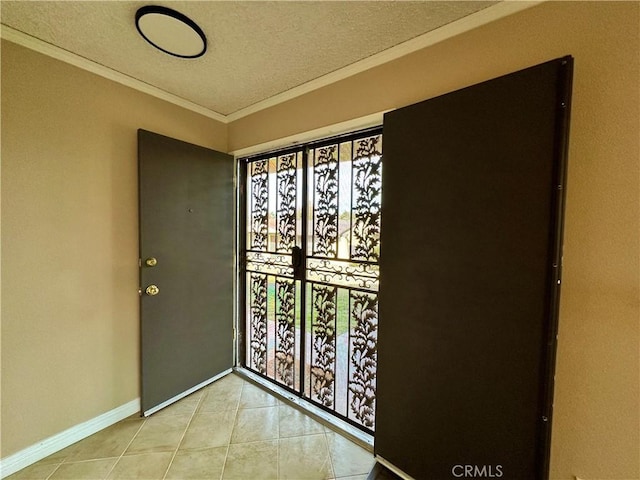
(69, 240)
(596, 424)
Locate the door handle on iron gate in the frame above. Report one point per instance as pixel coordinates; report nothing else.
(296, 262)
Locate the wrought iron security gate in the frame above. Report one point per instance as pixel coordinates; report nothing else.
(311, 266)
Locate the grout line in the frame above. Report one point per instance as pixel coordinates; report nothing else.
(68, 462)
(125, 448)
(193, 414)
(326, 440)
(277, 436)
(54, 470)
(351, 433)
(278, 439)
(71, 448)
(261, 406)
(301, 435)
(233, 427)
(252, 442)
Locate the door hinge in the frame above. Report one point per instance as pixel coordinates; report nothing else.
(234, 333)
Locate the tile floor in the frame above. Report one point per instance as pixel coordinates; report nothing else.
(228, 430)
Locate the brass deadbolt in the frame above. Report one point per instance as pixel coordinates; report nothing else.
(152, 290)
(151, 262)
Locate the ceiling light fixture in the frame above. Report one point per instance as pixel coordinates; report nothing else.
(171, 31)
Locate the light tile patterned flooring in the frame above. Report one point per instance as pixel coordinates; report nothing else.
(228, 430)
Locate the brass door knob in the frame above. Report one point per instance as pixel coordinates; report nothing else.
(151, 262)
(152, 290)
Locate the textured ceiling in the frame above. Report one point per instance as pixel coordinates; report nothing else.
(257, 49)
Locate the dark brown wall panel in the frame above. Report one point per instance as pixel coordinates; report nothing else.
(468, 295)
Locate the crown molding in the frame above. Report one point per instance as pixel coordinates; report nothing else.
(475, 20)
(360, 123)
(15, 36)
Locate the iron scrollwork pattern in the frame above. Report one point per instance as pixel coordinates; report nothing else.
(325, 228)
(323, 332)
(258, 306)
(364, 357)
(316, 334)
(259, 204)
(367, 188)
(285, 331)
(267, 262)
(286, 205)
(343, 272)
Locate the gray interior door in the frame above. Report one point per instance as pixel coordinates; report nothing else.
(186, 269)
(469, 277)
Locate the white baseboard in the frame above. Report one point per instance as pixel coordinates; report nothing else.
(51, 445)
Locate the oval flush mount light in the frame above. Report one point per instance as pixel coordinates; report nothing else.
(171, 31)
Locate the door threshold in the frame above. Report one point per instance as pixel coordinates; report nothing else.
(354, 434)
